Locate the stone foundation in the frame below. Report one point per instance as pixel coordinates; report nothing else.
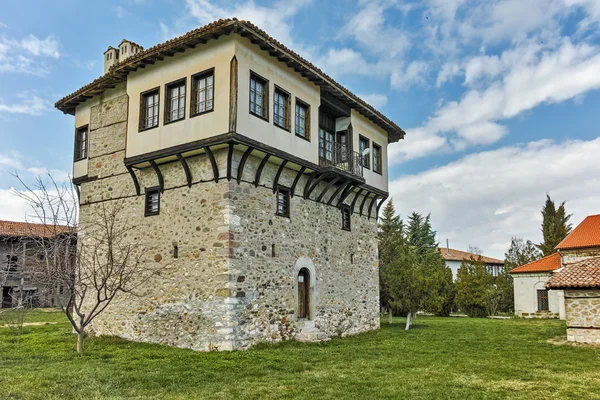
(583, 315)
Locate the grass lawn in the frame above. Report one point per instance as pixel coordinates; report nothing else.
(440, 358)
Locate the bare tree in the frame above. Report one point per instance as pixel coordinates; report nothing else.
(90, 265)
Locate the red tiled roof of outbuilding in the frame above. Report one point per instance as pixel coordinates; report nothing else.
(586, 234)
(584, 274)
(26, 229)
(546, 264)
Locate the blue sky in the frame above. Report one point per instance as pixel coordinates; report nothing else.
(499, 98)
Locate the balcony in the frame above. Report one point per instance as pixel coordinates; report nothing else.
(340, 156)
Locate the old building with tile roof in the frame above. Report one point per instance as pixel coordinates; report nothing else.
(22, 264)
(257, 177)
(454, 259)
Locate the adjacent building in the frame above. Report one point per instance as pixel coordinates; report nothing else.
(22, 262)
(454, 259)
(532, 298)
(579, 280)
(255, 178)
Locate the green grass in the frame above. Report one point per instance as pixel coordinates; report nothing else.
(440, 358)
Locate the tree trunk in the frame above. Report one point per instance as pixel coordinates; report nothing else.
(390, 319)
(80, 337)
(408, 321)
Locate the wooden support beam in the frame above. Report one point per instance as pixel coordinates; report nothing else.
(213, 163)
(333, 182)
(136, 183)
(240, 170)
(186, 169)
(371, 205)
(260, 169)
(346, 193)
(159, 175)
(296, 179)
(229, 160)
(308, 189)
(356, 196)
(379, 206)
(279, 171)
(362, 205)
(344, 186)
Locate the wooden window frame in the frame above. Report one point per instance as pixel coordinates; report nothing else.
(168, 86)
(380, 171)
(346, 209)
(143, 108)
(265, 105)
(194, 92)
(286, 192)
(366, 161)
(287, 123)
(148, 192)
(306, 106)
(77, 156)
(541, 298)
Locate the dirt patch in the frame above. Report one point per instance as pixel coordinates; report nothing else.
(562, 341)
(33, 324)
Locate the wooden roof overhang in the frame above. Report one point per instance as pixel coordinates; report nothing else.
(338, 184)
(119, 72)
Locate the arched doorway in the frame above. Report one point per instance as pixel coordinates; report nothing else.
(304, 294)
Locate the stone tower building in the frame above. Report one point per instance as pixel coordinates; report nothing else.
(256, 179)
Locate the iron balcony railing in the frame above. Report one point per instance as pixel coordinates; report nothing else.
(340, 156)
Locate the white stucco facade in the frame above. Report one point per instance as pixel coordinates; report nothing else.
(526, 296)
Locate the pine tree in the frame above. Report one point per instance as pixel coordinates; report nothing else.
(474, 288)
(390, 237)
(555, 226)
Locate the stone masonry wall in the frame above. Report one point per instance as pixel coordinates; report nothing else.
(225, 290)
(583, 315)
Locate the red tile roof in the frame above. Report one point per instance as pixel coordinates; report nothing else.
(547, 264)
(586, 234)
(118, 72)
(457, 255)
(26, 229)
(583, 274)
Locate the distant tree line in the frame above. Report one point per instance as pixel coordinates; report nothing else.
(414, 276)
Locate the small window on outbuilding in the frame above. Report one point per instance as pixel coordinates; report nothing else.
(346, 218)
(283, 202)
(542, 300)
(152, 203)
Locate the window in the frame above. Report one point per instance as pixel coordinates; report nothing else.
(376, 158)
(149, 109)
(326, 136)
(175, 104)
(346, 218)
(259, 96)
(363, 144)
(281, 109)
(283, 202)
(542, 299)
(302, 120)
(81, 143)
(203, 91)
(152, 206)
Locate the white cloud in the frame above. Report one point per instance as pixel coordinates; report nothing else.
(30, 105)
(276, 19)
(28, 55)
(483, 199)
(415, 73)
(526, 77)
(374, 99)
(121, 12)
(14, 208)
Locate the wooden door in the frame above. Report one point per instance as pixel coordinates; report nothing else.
(6, 297)
(303, 294)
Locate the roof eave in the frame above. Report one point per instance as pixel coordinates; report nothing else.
(118, 73)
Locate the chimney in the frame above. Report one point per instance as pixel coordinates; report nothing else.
(447, 247)
(111, 57)
(128, 49)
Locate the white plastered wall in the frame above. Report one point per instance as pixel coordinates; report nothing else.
(526, 286)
